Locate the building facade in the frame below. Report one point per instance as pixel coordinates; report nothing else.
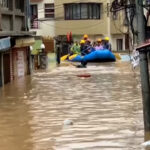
(91, 17)
(15, 40)
(42, 14)
(42, 17)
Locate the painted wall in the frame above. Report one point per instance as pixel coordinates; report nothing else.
(96, 27)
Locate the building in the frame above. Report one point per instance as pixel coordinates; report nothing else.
(15, 40)
(42, 17)
(42, 21)
(91, 17)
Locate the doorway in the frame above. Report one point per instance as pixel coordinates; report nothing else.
(6, 67)
(119, 44)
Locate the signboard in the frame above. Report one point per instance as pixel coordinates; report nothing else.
(135, 58)
(5, 43)
(20, 63)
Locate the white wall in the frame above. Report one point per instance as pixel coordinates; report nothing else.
(46, 28)
(114, 43)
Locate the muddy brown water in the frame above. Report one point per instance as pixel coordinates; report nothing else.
(106, 110)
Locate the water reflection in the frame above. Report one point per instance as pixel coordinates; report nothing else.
(106, 110)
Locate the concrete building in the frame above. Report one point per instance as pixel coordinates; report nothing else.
(15, 40)
(91, 17)
(42, 17)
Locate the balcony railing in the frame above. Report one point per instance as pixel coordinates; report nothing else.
(34, 24)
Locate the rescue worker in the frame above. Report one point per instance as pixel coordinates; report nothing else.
(99, 45)
(75, 49)
(107, 45)
(83, 49)
(85, 37)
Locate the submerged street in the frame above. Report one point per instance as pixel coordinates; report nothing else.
(106, 109)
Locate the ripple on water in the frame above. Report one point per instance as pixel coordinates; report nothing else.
(106, 110)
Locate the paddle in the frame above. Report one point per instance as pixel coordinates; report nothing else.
(117, 55)
(73, 56)
(64, 57)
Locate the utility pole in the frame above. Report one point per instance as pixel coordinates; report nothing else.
(143, 68)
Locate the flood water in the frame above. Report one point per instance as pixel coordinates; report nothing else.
(106, 110)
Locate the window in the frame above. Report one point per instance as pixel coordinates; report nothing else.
(49, 11)
(82, 11)
(76, 12)
(34, 17)
(6, 3)
(19, 4)
(119, 44)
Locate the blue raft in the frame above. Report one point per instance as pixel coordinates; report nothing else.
(96, 56)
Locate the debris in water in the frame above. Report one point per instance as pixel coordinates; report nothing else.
(68, 122)
(84, 75)
(25, 97)
(146, 144)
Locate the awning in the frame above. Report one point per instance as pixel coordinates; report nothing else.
(23, 42)
(5, 44)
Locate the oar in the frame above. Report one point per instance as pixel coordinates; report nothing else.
(73, 56)
(64, 57)
(117, 55)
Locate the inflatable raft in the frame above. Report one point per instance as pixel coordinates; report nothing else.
(96, 56)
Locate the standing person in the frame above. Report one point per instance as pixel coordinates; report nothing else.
(107, 45)
(83, 49)
(99, 45)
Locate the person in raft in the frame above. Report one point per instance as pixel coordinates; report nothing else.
(107, 44)
(75, 49)
(99, 45)
(85, 37)
(84, 51)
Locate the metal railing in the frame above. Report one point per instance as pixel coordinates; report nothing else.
(34, 24)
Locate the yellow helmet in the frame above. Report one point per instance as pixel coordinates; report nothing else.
(99, 40)
(107, 38)
(85, 36)
(82, 42)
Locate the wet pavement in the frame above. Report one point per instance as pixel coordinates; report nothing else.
(106, 110)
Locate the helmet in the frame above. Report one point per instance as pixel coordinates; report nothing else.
(99, 40)
(85, 36)
(107, 38)
(82, 42)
